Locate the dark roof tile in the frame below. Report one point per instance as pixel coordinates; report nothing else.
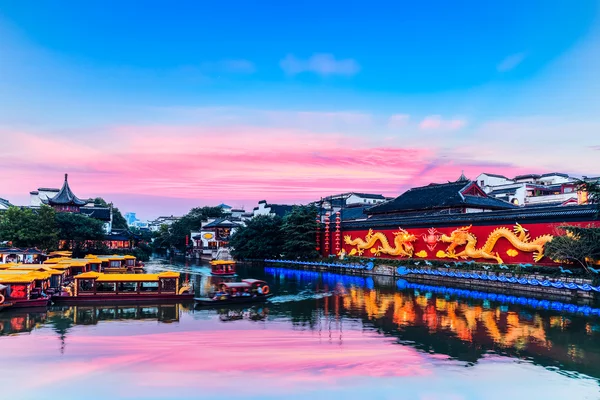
(436, 196)
(65, 196)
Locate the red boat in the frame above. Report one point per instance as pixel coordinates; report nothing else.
(95, 287)
(20, 291)
(222, 268)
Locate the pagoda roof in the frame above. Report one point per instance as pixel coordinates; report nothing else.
(65, 196)
(462, 193)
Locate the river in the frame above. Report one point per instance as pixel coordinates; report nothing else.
(322, 336)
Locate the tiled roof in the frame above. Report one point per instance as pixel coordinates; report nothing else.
(436, 196)
(65, 196)
(522, 215)
(369, 195)
(221, 223)
(502, 191)
(555, 174)
(101, 213)
(495, 175)
(352, 213)
(280, 209)
(534, 176)
(5, 202)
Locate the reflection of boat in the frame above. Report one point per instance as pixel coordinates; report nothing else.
(222, 268)
(246, 291)
(95, 287)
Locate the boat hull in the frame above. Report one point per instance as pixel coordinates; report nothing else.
(224, 275)
(207, 302)
(124, 299)
(42, 302)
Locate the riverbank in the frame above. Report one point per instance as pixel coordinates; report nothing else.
(539, 283)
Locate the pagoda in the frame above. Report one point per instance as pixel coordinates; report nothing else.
(65, 200)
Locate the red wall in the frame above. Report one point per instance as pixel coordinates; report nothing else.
(480, 232)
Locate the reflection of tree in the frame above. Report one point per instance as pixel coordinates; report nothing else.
(61, 320)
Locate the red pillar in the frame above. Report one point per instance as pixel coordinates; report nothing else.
(318, 223)
(327, 234)
(338, 221)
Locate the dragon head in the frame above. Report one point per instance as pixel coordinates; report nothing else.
(458, 236)
(405, 237)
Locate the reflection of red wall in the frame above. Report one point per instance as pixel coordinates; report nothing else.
(480, 232)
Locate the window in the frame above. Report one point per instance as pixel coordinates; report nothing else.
(128, 287)
(115, 264)
(86, 285)
(168, 285)
(481, 183)
(149, 287)
(105, 286)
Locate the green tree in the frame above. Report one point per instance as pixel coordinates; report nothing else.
(80, 233)
(26, 227)
(578, 244)
(260, 238)
(299, 233)
(119, 222)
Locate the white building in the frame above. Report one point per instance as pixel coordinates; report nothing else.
(265, 208)
(214, 235)
(340, 202)
(532, 189)
(155, 225)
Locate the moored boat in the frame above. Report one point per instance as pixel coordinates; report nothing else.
(96, 287)
(246, 291)
(222, 268)
(25, 289)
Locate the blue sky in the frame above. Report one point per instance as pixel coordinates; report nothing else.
(352, 72)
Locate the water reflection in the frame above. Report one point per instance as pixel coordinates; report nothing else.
(323, 335)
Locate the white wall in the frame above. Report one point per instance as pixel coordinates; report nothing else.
(487, 182)
(551, 198)
(354, 199)
(262, 210)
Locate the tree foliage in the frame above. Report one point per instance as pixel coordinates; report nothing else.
(119, 222)
(26, 227)
(299, 233)
(260, 238)
(264, 236)
(578, 244)
(80, 233)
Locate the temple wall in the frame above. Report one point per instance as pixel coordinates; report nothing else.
(504, 246)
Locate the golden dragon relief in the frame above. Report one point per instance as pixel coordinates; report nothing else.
(402, 243)
(518, 237)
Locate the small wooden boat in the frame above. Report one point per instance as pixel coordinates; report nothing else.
(96, 287)
(230, 293)
(222, 268)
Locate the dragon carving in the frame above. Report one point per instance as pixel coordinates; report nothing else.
(402, 243)
(518, 237)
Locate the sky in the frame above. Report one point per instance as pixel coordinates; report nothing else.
(163, 107)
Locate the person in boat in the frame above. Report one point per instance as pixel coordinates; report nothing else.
(246, 293)
(259, 291)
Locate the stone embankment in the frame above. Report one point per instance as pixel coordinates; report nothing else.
(533, 284)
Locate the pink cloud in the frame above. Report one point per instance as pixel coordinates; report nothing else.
(203, 165)
(436, 122)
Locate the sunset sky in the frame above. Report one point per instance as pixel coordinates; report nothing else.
(164, 106)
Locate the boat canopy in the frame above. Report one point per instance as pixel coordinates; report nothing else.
(100, 277)
(245, 284)
(221, 262)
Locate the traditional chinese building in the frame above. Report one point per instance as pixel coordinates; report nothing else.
(64, 200)
(452, 221)
(214, 235)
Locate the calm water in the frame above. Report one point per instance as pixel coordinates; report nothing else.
(323, 336)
